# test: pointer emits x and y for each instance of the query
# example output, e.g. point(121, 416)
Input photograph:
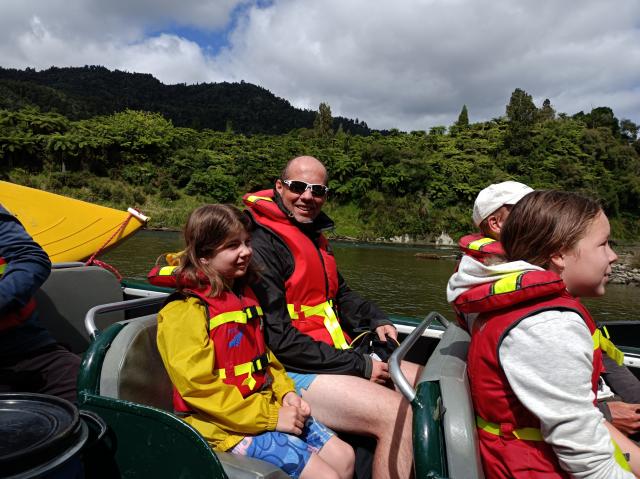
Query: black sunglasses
point(299, 187)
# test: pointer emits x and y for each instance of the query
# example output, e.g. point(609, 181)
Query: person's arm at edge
point(28, 265)
point(297, 351)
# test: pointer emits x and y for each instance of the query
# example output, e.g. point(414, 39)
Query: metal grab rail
point(398, 355)
point(89, 319)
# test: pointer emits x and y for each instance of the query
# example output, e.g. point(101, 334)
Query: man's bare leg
point(353, 404)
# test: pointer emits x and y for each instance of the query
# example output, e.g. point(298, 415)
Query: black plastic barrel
point(41, 436)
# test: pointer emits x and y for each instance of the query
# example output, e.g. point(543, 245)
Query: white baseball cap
point(497, 195)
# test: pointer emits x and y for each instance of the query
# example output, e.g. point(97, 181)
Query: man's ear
point(494, 223)
point(279, 186)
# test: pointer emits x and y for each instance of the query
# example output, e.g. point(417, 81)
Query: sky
point(406, 64)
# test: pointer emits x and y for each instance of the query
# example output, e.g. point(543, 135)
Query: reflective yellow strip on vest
point(479, 243)
point(246, 368)
point(620, 457)
point(330, 321)
point(3, 266)
point(523, 433)
point(605, 344)
point(166, 270)
point(233, 317)
point(254, 198)
point(507, 284)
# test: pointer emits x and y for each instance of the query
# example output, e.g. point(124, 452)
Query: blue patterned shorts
point(290, 453)
point(301, 381)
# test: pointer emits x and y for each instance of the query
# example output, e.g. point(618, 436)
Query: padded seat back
point(64, 299)
point(133, 370)
point(448, 366)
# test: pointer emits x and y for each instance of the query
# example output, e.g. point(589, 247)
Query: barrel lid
point(33, 425)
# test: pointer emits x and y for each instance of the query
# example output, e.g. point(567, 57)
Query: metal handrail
point(398, 355)
point(89, 319)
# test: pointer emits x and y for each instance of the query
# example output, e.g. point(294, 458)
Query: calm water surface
point(392, 276)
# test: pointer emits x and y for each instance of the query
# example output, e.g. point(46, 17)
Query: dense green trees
point(382, 185)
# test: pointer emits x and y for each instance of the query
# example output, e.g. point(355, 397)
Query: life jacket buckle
point(259, 363)
point(506, 430)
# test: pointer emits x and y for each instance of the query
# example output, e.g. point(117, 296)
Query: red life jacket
point(480, 247)
point(312, 287)
point(236, 330)
point(511, 444)
point(16, 316)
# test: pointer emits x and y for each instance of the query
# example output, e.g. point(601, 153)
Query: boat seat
point(448, 367)
point(133, 370)
point(69, 292)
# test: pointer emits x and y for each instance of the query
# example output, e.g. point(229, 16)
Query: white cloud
point(410, 64)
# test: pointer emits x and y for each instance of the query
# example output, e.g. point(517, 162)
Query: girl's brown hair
point(209, 228)
point(545, 223)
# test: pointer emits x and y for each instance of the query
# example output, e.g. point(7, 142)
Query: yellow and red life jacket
point(312, 287)
point(235, 327)
point(480, 247)
point(16, 316)
point(511, 444)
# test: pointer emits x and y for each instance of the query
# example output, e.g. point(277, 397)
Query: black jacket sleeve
point(621, 381)
point(297, 351)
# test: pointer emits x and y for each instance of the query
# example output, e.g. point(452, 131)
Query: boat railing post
point(398, 355)
point(90, 317)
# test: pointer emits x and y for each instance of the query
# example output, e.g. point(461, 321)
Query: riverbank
point(625, 273)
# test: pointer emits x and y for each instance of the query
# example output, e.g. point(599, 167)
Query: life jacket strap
point(534, 434)
point(235, 317)
point(257, 364)
point(602, 341)
point(523, 433)
point(330, 320)
point(620, 457)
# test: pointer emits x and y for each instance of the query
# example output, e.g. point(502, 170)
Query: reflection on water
point(392, 276)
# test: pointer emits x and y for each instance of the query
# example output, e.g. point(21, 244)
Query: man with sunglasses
point(310, 311)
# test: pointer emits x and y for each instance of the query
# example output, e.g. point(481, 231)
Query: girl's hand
point(292, 399)
point(290, 420)
point(305, 408)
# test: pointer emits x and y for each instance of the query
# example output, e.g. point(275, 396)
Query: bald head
point(304, 206)
point(301, 165)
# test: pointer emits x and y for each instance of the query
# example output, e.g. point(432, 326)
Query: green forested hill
point(80, 93)
point(417, 183)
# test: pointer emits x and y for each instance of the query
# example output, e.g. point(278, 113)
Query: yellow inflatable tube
point(67, 229)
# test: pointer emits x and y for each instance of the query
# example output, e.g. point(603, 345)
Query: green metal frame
point(142, 441)
point(428, 441)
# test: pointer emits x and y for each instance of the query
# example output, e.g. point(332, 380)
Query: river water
point(392, 276)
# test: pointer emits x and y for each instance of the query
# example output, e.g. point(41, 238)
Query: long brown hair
point(545, 223)
point(208, 228)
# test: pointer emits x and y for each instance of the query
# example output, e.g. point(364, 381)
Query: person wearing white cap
point(493, 204)
point(490, 210)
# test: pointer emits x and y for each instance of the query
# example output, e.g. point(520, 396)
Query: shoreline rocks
point(624, 273)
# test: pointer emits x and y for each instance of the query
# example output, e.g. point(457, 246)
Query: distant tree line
point(382, 185)
point(81, 93)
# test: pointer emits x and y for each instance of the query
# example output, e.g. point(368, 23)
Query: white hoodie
point(547, 359)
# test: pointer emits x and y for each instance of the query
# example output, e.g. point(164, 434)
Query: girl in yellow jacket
point(228, 385)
